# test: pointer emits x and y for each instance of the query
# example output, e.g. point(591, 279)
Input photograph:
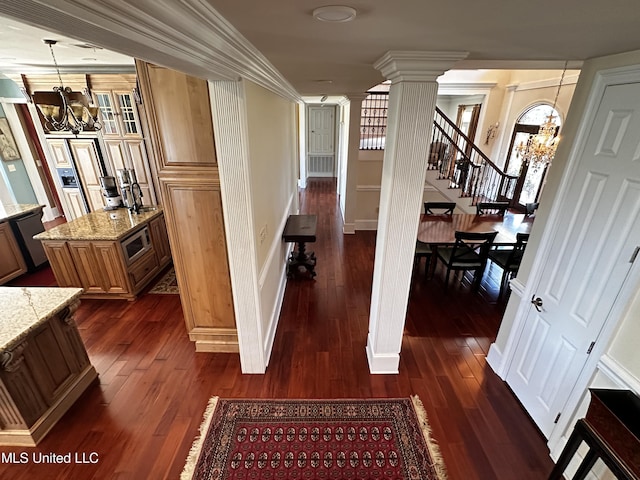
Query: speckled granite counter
point(8, 212)
point(25, 308)
point(105, 225)
point(44, 366)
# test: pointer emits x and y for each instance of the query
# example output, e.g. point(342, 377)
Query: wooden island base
point(44, 367)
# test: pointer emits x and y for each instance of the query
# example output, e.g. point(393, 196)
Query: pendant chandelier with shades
point(540, 148)
point(65, 110)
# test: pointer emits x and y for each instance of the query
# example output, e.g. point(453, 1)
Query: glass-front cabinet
point(123, 136)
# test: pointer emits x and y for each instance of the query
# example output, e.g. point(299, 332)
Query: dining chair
point(509, 259)
point(444, 208)
point(469, 252)
point(492, 208)
point(530, 208)
point(423, 250)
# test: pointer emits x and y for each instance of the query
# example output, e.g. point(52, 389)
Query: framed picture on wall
point(8, 148)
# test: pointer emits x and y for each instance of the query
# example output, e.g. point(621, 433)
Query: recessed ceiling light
point(334, 13)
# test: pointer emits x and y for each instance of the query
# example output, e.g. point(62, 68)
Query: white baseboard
point(494, 359)
point(349, 228)
point(366, 225)
point(270, 334)
point(382, 364)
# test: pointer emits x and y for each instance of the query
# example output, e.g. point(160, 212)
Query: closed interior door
point(587, 262)
point(321, 144)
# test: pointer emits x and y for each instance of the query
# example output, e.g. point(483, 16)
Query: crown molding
point(188, 35)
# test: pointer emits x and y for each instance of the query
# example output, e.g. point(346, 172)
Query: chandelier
point(67, 111)
point(540, 149)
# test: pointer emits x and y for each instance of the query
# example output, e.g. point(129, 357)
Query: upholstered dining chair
point(492, 208)
point(469, 252)
point(423, 250)
point(508, 259)
point(434, 208)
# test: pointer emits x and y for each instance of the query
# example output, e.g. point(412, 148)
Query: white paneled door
point(321, 141)
point(590, 255)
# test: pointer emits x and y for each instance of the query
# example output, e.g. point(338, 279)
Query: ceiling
point(334, 58)
point(22, 50)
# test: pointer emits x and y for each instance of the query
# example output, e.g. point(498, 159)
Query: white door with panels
point(596, 240)
point(321, 141)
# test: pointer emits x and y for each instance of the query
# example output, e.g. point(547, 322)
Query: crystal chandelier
point(71, 112)
point(540, 149)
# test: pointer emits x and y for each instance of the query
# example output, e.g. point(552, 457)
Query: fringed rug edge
point(432, 445)
point(194, 452)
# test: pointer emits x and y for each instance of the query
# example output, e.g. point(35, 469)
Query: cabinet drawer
point(143, 268)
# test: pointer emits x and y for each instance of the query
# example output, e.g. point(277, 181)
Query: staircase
point(461, 171)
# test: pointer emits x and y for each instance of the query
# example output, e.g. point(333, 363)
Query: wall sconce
point(491, 132)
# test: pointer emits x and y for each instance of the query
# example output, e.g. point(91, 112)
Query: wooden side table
point(301, 229)
point(611, 429)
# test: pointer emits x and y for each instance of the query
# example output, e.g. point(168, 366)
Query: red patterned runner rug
point(314, 439)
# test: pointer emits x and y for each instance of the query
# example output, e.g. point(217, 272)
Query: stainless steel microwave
point(136, 245)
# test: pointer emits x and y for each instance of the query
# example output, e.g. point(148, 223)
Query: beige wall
point(272, 137)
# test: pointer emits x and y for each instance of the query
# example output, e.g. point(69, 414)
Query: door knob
point(537, 302)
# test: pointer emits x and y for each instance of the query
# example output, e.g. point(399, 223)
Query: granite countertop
point(103, 225)
point(25, 308)
point(7, 212)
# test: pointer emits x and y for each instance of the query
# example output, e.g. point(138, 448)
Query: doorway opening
point(530, 177)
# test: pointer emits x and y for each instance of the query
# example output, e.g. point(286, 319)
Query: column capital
point(415, 66)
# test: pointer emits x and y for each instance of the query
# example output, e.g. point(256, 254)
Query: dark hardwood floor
point(145, 413)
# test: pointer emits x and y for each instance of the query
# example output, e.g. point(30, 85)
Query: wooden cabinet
point(88, 162)
point(100, 268)
point(179, 119)
point(75, 203)
point(160, 240)
point(61, 156)
point(12, 263)
point(61, 262)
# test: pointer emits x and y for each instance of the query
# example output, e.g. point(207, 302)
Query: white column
point(228, 109)
point(412, 101)
point(353, 154)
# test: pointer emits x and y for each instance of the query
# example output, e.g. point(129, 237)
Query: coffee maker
point(131, 191)
point(110, 192)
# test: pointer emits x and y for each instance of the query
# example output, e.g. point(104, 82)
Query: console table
point(611, 429)
point(301, 229)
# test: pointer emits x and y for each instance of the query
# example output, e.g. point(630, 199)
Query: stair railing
point(460, 161)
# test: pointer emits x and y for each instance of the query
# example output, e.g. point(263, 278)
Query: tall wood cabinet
point(179, 119)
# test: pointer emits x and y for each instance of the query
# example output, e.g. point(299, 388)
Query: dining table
point(440, 229)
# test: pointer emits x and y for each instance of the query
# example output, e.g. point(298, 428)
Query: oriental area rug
point(314, 439)
point(167, 284)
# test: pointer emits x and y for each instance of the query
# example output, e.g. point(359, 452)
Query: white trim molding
point(618, 374)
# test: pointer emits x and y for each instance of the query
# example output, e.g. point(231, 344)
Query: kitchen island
point(18, 251)
point(44, 367)
point(109, 254)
